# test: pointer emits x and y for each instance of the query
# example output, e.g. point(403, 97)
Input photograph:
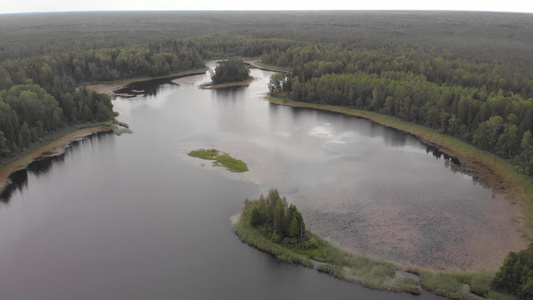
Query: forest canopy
point(483, 104)
point(516, 274)
point(464, 93)
point(230, 70)
point(42, 94)
point(277, 220)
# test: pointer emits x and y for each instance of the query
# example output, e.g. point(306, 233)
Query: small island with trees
point(228, 73)
point(273, 226)
point(220, 159)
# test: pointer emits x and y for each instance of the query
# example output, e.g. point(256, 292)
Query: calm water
point(133, 217)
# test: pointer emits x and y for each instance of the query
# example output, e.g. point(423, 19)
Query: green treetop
point(231, 70)
point(276, 218)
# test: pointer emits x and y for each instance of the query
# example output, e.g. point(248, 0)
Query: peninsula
point(272, 226)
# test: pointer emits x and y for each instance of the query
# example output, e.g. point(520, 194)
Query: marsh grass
point(220, 159)
point(207, 154)
point(461, 285)
point(232, 164)
point(369, 272)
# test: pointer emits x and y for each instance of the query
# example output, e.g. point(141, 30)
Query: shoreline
point(418, 131)
point(474, 165)
point(370, 272)
point(109, 88)
point(485, 167)
point(365, 270)
point(253, 239)
point(53, 148)
point(210, 86)
point(255, 63)
point(490, 174)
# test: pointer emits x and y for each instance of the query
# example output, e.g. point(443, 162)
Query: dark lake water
point(133, 217)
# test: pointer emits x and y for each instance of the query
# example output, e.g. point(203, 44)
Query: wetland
point(115, 215)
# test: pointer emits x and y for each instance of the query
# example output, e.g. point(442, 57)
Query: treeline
point(484, 104)
point(28, 113)
point(276, 219)
point(314, 60)
point(42, 94)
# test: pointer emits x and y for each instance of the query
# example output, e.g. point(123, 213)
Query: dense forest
point(277, 220)
point(516, 274)
point(485, 104)
point(427, 72)
point(230, 70)
point(42, 94)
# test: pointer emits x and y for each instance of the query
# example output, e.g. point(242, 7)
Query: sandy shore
point(56, 147)
point(109, 88)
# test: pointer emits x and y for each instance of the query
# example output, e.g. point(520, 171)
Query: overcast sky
point(22, 6)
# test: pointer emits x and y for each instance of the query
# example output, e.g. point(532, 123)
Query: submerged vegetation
point(264, 224)
point(220, 159)
point(272, 226)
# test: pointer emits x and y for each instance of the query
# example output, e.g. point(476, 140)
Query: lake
point(133, 217)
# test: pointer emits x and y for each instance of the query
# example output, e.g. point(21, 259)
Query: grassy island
point(220, 159)
point(272, 226)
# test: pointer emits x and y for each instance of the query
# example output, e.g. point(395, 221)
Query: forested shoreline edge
point(486, 167)
point(53, 145)
point(317, 253)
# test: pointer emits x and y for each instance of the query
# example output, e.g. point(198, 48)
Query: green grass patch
point(220, 159)
point(208, 154)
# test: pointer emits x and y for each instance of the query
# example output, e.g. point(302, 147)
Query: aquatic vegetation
point(220, 159)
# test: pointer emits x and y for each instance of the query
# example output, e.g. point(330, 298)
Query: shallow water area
point(133, 217)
